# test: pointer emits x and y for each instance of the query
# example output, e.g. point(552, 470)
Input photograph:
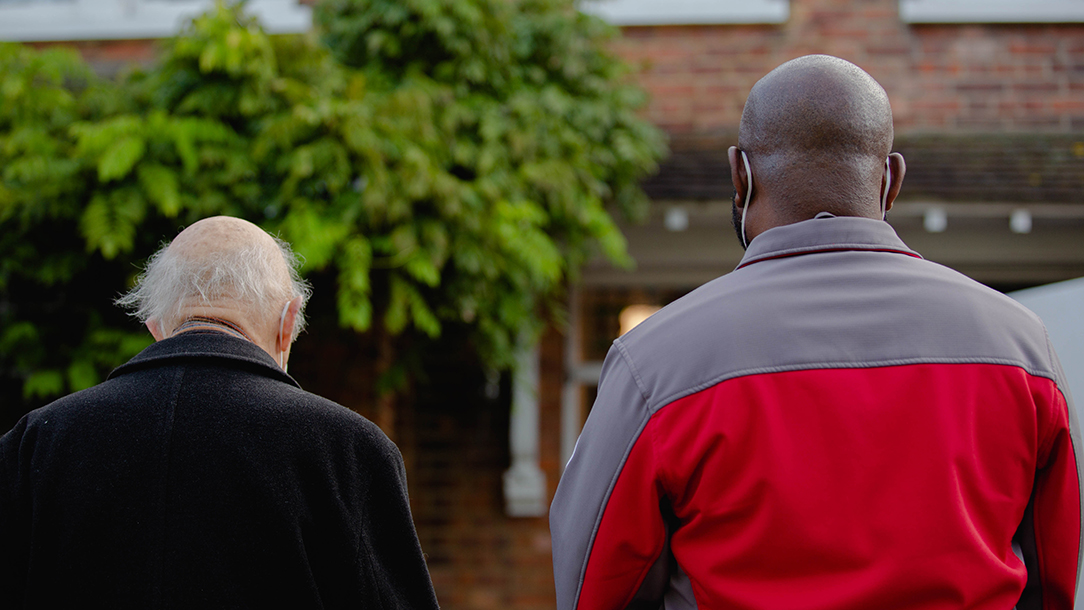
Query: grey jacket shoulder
point(825, 293)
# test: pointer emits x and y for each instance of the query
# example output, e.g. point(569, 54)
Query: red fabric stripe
point(847, 488)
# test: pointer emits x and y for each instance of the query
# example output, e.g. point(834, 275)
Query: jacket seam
point(656, 475)
point(822, 248)
point(635, 374)
point(767, 370)
point(1040, 561)
point(605, 504)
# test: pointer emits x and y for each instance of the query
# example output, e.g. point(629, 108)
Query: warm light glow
point(634, 314)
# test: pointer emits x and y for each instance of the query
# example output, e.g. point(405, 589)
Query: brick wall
point(478, 557)
point(111, 57)
point(954, 77)
point(938, 77)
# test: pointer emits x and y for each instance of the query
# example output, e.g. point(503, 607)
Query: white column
point(524, 482)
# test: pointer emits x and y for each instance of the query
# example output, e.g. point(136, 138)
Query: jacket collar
point(825, 233)
point(230, 351)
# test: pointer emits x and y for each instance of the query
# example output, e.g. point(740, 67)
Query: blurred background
point(487, 192)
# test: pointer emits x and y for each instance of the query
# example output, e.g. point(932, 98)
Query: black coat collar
point(229, 350)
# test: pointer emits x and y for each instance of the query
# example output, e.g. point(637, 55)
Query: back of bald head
point(224, 263)
point(817, 130)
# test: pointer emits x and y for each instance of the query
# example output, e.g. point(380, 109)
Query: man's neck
point(214, 324)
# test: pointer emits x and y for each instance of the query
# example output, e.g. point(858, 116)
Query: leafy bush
point(449, 162)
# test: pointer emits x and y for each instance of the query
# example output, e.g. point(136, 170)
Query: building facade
point(988, 97)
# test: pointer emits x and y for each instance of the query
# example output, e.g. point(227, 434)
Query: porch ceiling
point(977, 179)
point(1023, 168)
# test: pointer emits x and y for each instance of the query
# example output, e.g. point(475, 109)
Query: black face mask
point(735, 218)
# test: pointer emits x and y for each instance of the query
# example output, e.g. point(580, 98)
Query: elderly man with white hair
point(200, 474)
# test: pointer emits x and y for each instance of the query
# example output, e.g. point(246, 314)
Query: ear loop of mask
point(748, 196)
point(282, 328)
point(884, 195)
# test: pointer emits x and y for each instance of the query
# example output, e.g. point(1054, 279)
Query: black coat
point(199, 475)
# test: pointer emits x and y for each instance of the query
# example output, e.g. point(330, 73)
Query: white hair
point(250, 275)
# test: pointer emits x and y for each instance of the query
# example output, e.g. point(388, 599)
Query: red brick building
point(989, 107)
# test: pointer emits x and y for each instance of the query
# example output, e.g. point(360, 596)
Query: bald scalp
point(213, 249)
point(221, 235)
point(224, 263)
point(818, 124)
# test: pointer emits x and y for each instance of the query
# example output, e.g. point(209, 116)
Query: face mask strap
point(884, 195)
point(748, 196)
point(282, 329)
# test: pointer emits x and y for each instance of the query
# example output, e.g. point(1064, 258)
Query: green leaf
point(43, 384)
point(82, 375)
point(17, 336)
point(315, 237)
point(355, 305)
point(110, 221)
point(160, 185)
point(118, 159)
point(406, 305)
point(399, 301)
point(423, 317)
point(422, 269)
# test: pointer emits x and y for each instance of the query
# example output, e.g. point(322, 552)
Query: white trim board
point(55, 20)
point(687, 12)
point(991, 11)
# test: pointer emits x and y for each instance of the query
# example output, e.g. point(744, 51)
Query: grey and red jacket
point(836, 424)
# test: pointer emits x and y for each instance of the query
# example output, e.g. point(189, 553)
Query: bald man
point(200, 475)
point(838, 423)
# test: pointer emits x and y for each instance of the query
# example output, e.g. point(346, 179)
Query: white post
point(524, 482)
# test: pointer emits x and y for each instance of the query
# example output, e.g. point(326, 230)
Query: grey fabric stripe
point(616, 421)
point(835, 309)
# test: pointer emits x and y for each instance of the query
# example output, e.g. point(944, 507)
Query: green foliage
point(448, 162)
point(44, 273)
point(504, 132)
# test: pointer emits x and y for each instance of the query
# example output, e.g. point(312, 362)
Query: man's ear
point(286, 325)
point(737, 175)
point(899, 168)
point(156, 329)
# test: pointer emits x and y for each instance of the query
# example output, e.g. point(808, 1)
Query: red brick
point(981, 87)
point(1067, 105)
point(1042, 87)
point(1032, 47)
point(1044, 122)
